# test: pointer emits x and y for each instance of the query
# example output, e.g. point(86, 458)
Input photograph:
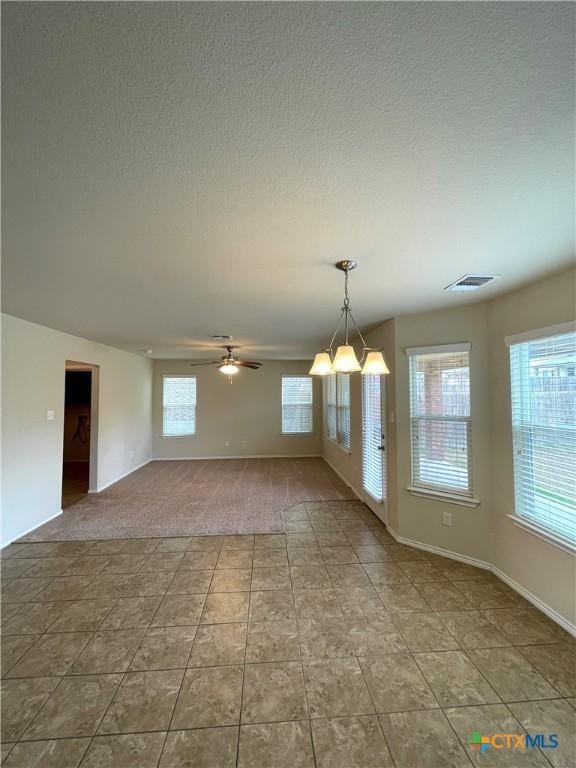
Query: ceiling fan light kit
point(229, 364)
point(344, 360)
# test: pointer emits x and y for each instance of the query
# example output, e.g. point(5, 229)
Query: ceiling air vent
point(221, 337)
point(470, 282)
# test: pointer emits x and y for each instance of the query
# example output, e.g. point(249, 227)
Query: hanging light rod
point(344, 360)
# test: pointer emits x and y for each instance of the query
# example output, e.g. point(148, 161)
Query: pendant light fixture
point(344, 360)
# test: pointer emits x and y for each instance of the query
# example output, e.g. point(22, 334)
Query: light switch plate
point(49, 415)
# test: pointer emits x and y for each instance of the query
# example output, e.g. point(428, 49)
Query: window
point(543, 382)
point(372, 438)
point(338, 409)
point(178, 406)
point(440, 418)
point(297, 405)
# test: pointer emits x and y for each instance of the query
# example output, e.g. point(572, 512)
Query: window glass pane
point(372, 439)
point(331, 406)
point(343, 409)
point(297, 404)
point(543, 380)
point(179, 406)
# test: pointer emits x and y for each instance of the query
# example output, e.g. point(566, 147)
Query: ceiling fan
point(230, 364)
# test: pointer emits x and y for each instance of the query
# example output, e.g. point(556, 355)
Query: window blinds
point(440, 418)
point(178, 406)
point(331, 430)
point(372, 438)
point(297, 404)
point(343, 409)
point(543, 384)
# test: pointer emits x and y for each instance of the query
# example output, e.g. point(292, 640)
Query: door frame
point(74, 365)
point(380, 508)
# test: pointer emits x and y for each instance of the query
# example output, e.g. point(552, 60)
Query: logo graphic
point(512, 741)
point(481, 743)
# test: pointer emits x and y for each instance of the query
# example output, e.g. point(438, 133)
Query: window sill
point(177, 437)
point(542, 533)
point(449, 498)
point(337, 445)
point(297, 434)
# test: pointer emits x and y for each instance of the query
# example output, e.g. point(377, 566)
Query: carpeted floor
point(180, 498)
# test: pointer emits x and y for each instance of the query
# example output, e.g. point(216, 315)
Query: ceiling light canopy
point(344, 360)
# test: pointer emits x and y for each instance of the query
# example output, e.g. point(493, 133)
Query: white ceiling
point(174, 170)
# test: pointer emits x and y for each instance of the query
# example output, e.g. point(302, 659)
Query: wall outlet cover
point(447, 518)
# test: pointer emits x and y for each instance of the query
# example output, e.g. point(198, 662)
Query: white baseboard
point(244, 456)
point(120, 477)
point(344, 479)
point(29, 530)
point(540, 604)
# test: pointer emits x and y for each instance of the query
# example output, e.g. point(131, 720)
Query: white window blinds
point(440, 418)
point(178, 406)
point(543, 382)
point(372, 438)
point(343, 410)
point(331, 429)
point(297, 404)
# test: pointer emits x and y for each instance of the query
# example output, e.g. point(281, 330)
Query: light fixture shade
point(345, 360)
point(229, 369)
point(375, 363)
point(322, 365)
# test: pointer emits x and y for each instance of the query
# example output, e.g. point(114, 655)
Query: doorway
point(374, 458)
point(78, 439)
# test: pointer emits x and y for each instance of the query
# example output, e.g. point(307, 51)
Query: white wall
point(246, 413)
point(483, 533)
point(33, 371)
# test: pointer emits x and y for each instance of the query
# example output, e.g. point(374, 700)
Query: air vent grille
point(470, 282)
point(221, 337)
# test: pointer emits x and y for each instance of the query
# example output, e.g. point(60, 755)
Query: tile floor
point(329, 646)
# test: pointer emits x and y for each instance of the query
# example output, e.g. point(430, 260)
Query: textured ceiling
point(174, 170)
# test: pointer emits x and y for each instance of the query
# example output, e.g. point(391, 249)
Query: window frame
point(448, 494)
point(523, 521)
point(190, 435)
point(312, 425)
point(340, 435)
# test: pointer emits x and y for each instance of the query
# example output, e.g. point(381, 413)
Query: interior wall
point(242, 418)
point(33, 374)
point(546, 571)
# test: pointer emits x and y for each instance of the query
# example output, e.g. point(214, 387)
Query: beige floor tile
point(218, 644)
point(132, 750)
point(140, 546)
point(372, 635)
point(547, 717)
point(396, 683)
point(425, 632)
point(175, 544)
point(270, 541)
point(271, 605)
point(557, 663)
point(336, 687)
point(297, 526)
point(51, 566)
point(445, 597)
point(231, 580)
point(82, 616)
point(372, 554)
point(423, 740)
point(75, 708)
point(238, 541)
point(421, 572)
point(235, 558)
point(12, 648)
point(21, 700)
point(472, 629)
point(273, 692)
point(402, 553)
point(179, 610)
point(164, 648)
point(338, 555)
point(132, 613)
point(348, 576)
point(162, 562)
point(209, 697)
point(332, 539)
point(360, 601)
point(190, 583)
point(108, 651)
point(51, 655)
point(107, 547)
point(107, 585)
point(270, 558)
point(143, 702)
point(385, 574)
point(199, 560)
point(307, 556)
point(64, 588)
point(456, 571)
point(272, 641)
point(488, 720)
point(21, 590)
point(60, 753)
point(350, 742)
point(16, 567)
point(316, 604)
point(88, 564)
point(310, 577)
point(125, 563)
point(271, 578)
point(204, 543)
point(324, 638)
point(148, 584)
point(300, 540)
point(519, 627)
point(454, 679)
point(225, 607)
point(282, 745)
point(486, 594)
point(211, 747)
point(33, 619)
point(513, 678)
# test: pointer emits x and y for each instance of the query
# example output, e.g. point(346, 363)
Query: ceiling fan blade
point(207, 362)
point(243, 364)
point(248, 362)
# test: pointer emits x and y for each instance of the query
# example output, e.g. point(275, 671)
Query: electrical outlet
point(447, 518)
point(226, 443)
point(49, 415)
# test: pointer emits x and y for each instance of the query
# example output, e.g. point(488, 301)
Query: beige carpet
point(181, 498)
